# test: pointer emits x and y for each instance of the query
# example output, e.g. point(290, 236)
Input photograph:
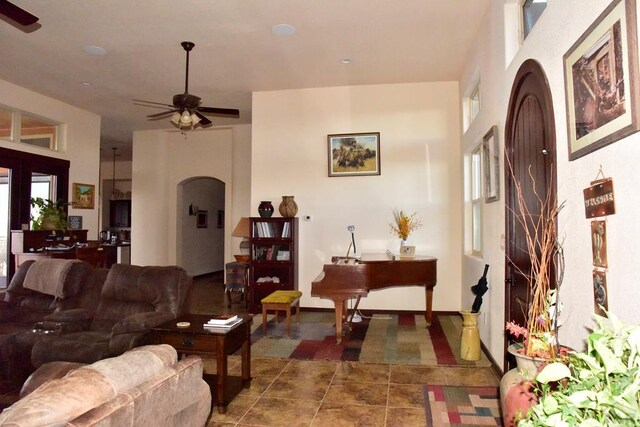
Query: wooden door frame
point(530, 74)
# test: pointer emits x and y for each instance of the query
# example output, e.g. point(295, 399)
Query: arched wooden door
point(530, 159)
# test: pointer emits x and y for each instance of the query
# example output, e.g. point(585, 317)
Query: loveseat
point(146, 386)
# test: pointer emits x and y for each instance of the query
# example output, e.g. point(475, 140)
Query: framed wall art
point(601, 81)
point(491, 165)
point(201, 219)
point(600, 293)
point(83, 196)
point(599, 243)
point(354, 154)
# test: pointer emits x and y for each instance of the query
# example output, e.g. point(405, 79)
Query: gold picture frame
point(354, 154)
point(407, 251)
point(83, 196)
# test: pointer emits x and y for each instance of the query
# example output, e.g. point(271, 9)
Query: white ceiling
point(235, 53)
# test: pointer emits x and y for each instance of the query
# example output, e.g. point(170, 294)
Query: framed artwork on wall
point(491, 162)
point(83, 196)
point(601, 81)
point(201, 219)
point(75, 222)
point(354, 154)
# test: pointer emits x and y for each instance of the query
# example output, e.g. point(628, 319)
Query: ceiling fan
point(186, 111)
point(17, 14)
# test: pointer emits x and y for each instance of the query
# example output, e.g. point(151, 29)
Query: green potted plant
point(598, 387)
point(51, 215)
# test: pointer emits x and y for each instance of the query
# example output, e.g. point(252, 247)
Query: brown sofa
point(133, 300)
point(38, 289)
point(146, 386)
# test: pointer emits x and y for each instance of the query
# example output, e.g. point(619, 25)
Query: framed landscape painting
point(83, 196)
point(601, 81)
point(354, 154)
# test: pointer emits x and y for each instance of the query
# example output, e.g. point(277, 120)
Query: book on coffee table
point(222, 319)
point(227, 325)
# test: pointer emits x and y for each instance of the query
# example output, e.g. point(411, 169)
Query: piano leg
point(340, 313)
point(428, 291)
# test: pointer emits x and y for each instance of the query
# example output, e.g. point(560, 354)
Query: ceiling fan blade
point(161, 114)
point(142, 102)
point(203, 120)
point(229, 112)
point(17, 14)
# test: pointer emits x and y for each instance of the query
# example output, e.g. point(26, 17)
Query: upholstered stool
point(281, 301)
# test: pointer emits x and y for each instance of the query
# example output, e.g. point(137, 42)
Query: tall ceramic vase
point(470, 339)
point(288, 207)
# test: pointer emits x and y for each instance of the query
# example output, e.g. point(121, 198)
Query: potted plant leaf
point(51, 215)
point(598, 387)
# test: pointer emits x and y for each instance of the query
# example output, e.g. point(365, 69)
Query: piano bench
point(281, 301)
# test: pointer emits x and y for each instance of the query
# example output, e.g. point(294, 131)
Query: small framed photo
point(601, 81)
point(83, 196)
point(491, 161)
point(75, 222)
point(201, 219)
point(354, 154)
point(407, 251)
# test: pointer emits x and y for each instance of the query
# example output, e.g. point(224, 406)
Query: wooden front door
point(530, 159)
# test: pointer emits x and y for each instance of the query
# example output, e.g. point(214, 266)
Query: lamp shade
point(242, 229)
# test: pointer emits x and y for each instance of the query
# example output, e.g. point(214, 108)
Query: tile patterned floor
point(288, 392)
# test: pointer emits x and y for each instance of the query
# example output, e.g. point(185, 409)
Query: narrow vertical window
point(531, 11)
point(476, 201)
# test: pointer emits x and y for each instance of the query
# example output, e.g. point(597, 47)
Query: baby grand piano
point(350, 278)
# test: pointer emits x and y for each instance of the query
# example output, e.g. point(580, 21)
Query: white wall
point(81, 140)
point(419, 132)
point(161, 160)
point(547, 43)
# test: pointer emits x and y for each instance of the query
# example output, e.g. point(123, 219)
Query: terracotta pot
point(288, 207)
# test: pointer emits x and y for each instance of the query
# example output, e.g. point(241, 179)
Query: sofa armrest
point(140, 322)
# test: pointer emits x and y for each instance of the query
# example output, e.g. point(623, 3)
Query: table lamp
point(242, 230)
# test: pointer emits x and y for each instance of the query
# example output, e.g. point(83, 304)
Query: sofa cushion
point(60, 278)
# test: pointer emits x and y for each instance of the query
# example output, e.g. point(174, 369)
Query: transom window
point(28, 129)
point(531, 11)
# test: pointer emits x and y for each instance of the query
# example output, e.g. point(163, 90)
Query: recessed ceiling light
point(86, 83)
point(283, 30)
point(94, 50)
point(346, 60)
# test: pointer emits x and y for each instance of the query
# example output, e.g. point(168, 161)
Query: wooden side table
point(212, 342)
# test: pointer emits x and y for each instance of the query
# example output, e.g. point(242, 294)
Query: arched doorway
point(530, 160)
point(200, 225)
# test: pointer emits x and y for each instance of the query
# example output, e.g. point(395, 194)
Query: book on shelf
point(286, 230)
point(223, 325)
point(283, 256)
point(223, 319)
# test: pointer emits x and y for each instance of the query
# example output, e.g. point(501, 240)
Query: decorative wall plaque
point(599, 243)
point(599, 199)
point(600, 295)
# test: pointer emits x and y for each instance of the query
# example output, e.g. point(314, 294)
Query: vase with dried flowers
point(403, 225)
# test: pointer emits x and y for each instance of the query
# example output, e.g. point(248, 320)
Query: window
point(471, 106)
point(28, 129)
point(531, 11)
point(476, 201)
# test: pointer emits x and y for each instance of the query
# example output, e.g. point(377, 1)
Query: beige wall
point(419, 132)
point(547, 43)
point(161, 160)
point(80, 140)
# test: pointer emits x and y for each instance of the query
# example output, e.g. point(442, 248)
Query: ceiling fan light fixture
point(185, 119)
point(195, 119)
point(175, 118)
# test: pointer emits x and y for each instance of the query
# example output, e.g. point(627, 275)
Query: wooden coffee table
point(218, 343)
